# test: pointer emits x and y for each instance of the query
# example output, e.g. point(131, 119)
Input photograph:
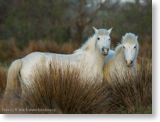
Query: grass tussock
point(48, 46)
point(63, 91)
point(134, 93)
point(3, 79)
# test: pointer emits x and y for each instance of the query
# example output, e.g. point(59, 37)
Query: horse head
point(103, 40)
point(130, 48)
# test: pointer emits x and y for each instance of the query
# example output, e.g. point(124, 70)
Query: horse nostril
point(107, 49)
point(129, 63)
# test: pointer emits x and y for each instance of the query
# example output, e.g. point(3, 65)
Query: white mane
point(89, 44)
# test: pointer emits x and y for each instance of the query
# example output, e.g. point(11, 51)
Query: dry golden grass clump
point(3, 79)
point(62, 91)
point(50, 46)
point(134, 93)
point(8, 51)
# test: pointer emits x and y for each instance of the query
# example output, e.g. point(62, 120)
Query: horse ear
point(109, 31)
point(137, 37)
point(95, 30)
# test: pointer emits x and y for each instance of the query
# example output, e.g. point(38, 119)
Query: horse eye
point(123, 47)
point(98, 38)
point(134, 46)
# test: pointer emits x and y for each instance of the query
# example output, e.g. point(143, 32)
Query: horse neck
point(99, 57)
point(119, 55)
point(94, 52)
point(89, 46)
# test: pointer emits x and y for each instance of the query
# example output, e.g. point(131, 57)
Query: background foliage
point(64, 20)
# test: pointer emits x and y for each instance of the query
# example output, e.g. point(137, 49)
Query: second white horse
point(123, 60)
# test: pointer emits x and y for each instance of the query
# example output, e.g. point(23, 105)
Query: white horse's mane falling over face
point(100, 40)
point(130, 48)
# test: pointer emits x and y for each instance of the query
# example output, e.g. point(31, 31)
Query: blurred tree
point(28, 19)
point(85, 13)
point(133, 17)
point(64, 20)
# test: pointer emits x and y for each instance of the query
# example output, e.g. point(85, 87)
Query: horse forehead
point(129, 42)
point(103, 32)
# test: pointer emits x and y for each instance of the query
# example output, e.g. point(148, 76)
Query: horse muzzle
point(105, 51)
point(129, 63)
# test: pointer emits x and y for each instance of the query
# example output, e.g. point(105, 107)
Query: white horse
point(123, 60)
point(91, 55)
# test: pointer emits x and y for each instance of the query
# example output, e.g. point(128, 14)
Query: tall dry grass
point(48, 46)
point(63, 92)
point(134, 93)
point(3, 79)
